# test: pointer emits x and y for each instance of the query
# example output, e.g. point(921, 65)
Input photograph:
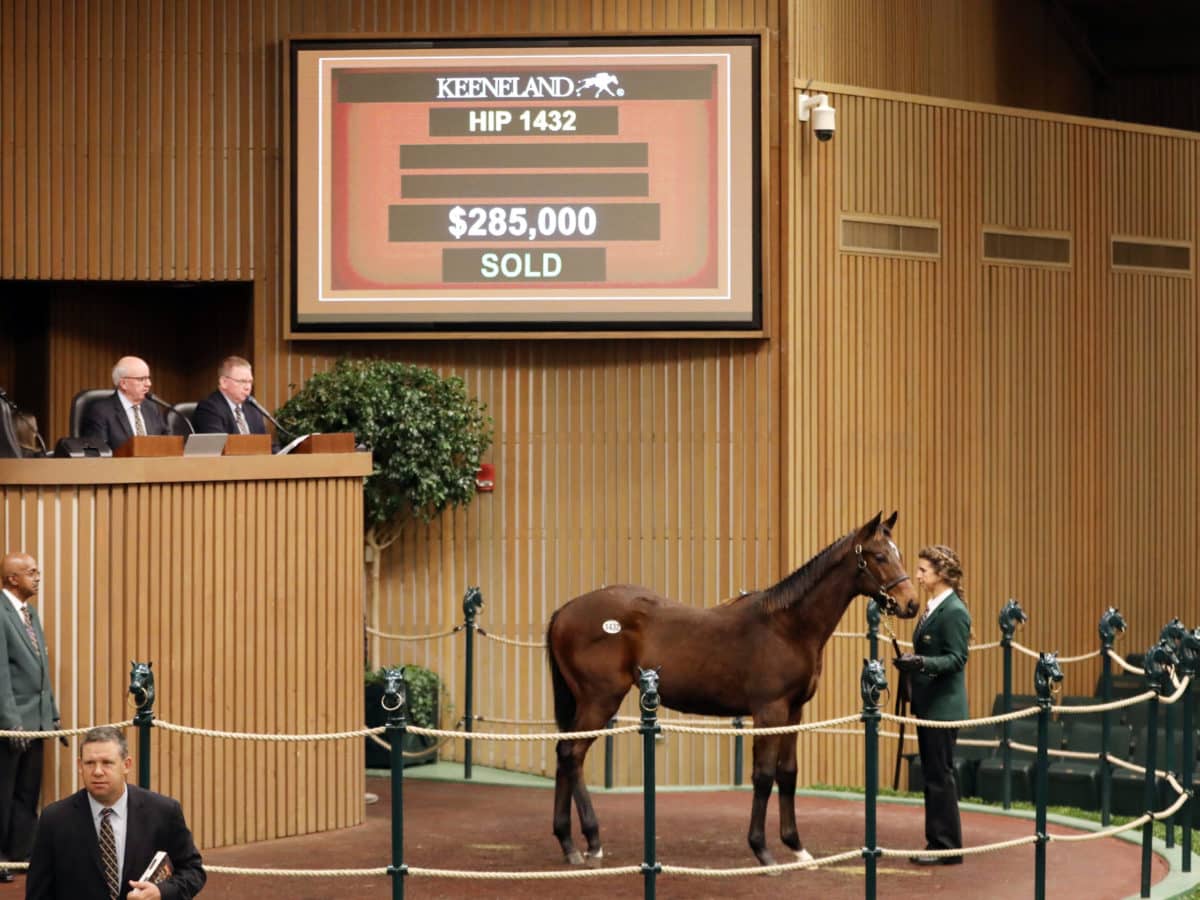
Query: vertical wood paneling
point(172, 573)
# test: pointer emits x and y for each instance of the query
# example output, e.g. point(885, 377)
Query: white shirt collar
point(17, 604)
point(935, 601)
point(119, 808)
point(126, 403)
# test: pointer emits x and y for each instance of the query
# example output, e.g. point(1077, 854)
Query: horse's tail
point(564, 700)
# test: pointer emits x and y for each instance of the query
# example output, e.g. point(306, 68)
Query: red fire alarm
point(485, 478)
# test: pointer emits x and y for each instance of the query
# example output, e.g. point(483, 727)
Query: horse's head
point(1047, 674)
point(141, 684)
point(881, 568)
point(1011, 615)
point(873, 681)
point(1110, 623)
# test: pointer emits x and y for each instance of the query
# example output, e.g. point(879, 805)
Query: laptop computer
point(204, 444)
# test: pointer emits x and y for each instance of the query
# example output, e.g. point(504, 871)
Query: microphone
point(165, 405)
point(270, 418)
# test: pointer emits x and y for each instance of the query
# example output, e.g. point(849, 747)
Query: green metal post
point(873, 681)
point(739, 752)
point(1150, 792)
point(874, 617)
point(1046, 673)
point(395, 701)
point(1110, 623)
point(648, 688)
point(141, 686)
point(1011, 615)
point(1189, 665)
point(608, 754)
point(472, 603)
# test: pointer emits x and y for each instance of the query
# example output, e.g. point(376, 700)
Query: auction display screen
point(583, 185)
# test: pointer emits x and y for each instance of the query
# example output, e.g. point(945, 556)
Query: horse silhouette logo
point(601, 83)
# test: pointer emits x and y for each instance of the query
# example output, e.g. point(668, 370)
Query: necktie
point(29, 626)
point(139, 426)
point(108, 855)
point(921, 621)
point(238, 417)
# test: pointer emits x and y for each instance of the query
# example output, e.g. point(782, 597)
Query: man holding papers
point(98, 843)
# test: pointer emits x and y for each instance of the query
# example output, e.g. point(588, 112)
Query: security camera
point(824, 116)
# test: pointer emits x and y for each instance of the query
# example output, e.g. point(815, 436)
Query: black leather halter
point(880, 593)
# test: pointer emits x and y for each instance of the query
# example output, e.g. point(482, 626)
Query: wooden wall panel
point(181, 575)
point(1037, 419)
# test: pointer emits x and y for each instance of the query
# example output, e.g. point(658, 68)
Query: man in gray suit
point(26, 704)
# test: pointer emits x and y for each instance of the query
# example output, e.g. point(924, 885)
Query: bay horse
point(755, 655)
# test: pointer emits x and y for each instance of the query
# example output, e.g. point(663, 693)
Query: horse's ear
point(891, 520)
point(868, 531)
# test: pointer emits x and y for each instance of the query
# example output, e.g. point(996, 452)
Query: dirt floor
point(493, 828)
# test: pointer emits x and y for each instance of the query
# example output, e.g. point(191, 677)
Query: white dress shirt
point(934, 602)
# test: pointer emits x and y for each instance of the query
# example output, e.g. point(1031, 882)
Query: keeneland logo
point(483, 87)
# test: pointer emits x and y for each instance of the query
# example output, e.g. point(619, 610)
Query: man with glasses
point(126, 413)
point(226, 410)
point(26, 704)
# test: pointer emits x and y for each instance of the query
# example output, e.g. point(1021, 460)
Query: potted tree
point(427, 436)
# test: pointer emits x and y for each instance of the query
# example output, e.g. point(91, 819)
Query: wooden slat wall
point(1041, 421)
point(243, 607)
point(142, 141)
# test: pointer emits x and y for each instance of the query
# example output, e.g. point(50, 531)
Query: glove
point(909, 662)
point(19, 745)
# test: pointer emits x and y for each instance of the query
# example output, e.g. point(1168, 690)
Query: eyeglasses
point(238, 380)
point(145, 379)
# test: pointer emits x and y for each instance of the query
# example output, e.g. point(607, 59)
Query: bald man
point(26, 704)
point(127, 413)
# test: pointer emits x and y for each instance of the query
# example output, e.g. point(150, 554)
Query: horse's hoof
point(765, 858)
point(575, 858)
point(598, 853)
point(803, 856)
point(595, 859)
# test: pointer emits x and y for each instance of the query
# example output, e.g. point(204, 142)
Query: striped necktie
point(108, 854)
point(28, 620)
point(139, 424)
point(240, 418)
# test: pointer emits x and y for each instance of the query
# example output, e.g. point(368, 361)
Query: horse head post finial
point(1173, 632)
point(1160, 660)
point(648, 687)
point(1111, 623)
point(1046, 675)
point(1189, 653)
point(395, 697)
point(472, 603)
point(1011, 615)
point(141, 688)
point(874, 615)
point(872, 683)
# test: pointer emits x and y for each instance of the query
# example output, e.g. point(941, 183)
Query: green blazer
point(939, 690)
point(26, 701)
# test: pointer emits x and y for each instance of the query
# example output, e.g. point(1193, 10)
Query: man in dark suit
point(96, 844)
point(939, 693)
point(26, 704)
point(118, 418)
point(225, 410)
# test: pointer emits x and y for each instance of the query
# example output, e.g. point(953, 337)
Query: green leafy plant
point(423, 690)
point(426, 433)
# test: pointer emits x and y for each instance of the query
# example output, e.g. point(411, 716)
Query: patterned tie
point(139, 426)
point(242, 427)
point(29, 626)
point(108, 855)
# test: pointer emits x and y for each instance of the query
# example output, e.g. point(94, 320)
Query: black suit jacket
point(213, 416)
point(105, 420)
point(65, 862)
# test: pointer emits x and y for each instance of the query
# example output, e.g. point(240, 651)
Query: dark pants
point(20, 786)
point(943, 828)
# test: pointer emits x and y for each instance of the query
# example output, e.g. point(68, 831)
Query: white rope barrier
point(286, 738)
point(512, 642)
point(1116, 657)
point(413, 637)
point(61, 732)
point(753, 871)
point(297, 873)
point(556, 875)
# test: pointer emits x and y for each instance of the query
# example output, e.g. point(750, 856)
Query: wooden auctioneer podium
point(240, 579)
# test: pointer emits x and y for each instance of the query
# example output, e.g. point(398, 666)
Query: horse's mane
point(788, 591)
